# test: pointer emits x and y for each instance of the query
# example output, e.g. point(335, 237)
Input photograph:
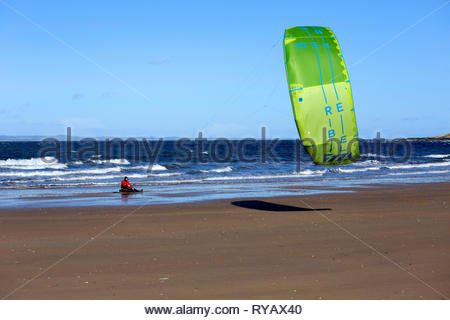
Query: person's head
point(125, 178)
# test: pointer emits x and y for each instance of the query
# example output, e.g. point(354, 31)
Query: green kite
point(321, 95)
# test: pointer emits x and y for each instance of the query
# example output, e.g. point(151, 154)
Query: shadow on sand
point(269, 206)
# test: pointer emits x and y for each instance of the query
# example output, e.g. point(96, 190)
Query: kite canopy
point(321, 95)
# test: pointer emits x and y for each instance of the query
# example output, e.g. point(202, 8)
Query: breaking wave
point(32, 164)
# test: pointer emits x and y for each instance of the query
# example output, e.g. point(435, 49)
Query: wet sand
point(381, 243)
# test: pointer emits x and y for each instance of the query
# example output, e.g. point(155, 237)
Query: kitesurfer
point(126, 186)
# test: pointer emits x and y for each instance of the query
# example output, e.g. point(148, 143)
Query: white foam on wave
point(111, 161)
point(32, 164)
point(358, 170)
point(374, 155)
point(220, 170)
point(308, 172)
point(420, 165)
point(154, 167)
point(437, 156)
point(396, 167)
point(157, 167)
point(367, 163)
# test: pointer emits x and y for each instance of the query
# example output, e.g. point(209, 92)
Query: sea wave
point(167, 174)
point(88, 178)
point(219, 170)
point(85, 178)
point(154, 167)
point(111, 161)
point(374, 155)
point(367, 163)
point(147, 175)
point(393, 167)
point(58, 172)
point(304, 173)
point(355, 170)
point(32, 164)
point(420, 165)
point(437, 156)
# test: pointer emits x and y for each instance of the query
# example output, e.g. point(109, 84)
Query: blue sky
point(165, 68)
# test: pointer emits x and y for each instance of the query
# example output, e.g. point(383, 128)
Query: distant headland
point(437, 138)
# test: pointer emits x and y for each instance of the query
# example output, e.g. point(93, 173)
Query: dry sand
point(385, 243)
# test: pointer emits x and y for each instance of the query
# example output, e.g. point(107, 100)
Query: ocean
point(45, 173)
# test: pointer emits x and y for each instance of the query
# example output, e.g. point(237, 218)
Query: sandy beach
point(377, 243)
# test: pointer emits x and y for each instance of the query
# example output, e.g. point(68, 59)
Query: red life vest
point(126, 184)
